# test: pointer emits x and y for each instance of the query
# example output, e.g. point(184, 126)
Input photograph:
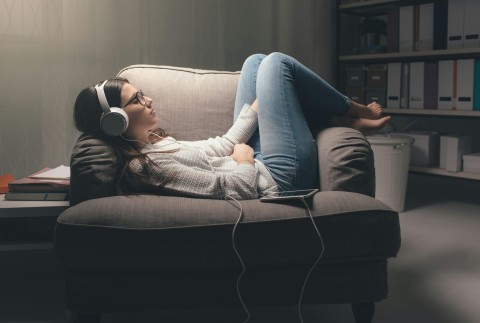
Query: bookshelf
point(349, 15)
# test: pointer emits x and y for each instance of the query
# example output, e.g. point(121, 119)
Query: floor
point(435, 278)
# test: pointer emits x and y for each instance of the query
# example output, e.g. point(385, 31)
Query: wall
point(51, 49)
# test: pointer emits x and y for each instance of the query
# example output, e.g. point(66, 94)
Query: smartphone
point(288, 195)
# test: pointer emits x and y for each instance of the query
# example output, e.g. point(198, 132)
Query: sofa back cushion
point(191, 104)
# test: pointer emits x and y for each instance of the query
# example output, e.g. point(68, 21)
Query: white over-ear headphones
point(114, 121)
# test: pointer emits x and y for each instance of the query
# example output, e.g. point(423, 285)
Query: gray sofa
point(146, 252)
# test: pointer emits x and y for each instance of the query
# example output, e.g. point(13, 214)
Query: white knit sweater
point(204, 168)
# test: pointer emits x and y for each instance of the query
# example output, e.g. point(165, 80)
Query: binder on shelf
point(455, 23)
point(430, 85)
point(394, 81)
point(425, 41)
point(471, 25)
point(465, 77)
point(376, 84)
point(445, 84)
point(406, 29)
point(392, 30)
point(476, 87)
point(376, 75)
point(355, 75)
point(417, 73)
point(356, 94)
point(405, 88)
point(375, 94)
point(440, 28)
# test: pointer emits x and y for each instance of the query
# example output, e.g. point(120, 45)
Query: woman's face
point(142, 117)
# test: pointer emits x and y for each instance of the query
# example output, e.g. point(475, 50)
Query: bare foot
point(371, 111)
point(366, 126)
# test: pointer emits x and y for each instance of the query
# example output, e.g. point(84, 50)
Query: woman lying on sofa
point(270, 146)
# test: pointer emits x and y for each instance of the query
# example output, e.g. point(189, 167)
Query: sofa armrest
point(345, 161)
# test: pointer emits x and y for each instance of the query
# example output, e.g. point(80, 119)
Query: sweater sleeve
point(240, 132)
point(173, 178)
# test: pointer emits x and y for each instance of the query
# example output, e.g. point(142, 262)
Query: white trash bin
point(392, 159)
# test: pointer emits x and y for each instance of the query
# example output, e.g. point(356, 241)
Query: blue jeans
point(288, 95)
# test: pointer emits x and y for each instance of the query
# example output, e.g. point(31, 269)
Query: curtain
point(51, 49)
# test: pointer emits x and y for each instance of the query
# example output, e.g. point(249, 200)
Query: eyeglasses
point(139, 97)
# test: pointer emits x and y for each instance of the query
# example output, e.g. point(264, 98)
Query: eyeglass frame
point(136, 96)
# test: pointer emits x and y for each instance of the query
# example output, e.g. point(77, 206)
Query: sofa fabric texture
point(93, 168)
point(197, 234)
point(191, 104)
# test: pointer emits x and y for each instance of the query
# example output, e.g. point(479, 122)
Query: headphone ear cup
point(115, 122)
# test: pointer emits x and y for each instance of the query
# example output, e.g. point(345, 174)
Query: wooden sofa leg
point(76, 317)
point(363, 312)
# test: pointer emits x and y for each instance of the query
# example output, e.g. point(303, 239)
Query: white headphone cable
point(144, 143)
point(315, 263)
point(239, 258)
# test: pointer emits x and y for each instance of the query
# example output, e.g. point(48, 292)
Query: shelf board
point(372, 7)
point(414, 55)
point(438, 113)
point(442, 172)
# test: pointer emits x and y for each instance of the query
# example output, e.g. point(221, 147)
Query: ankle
point(355, 109)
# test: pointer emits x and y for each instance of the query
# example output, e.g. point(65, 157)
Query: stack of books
point(45, 185)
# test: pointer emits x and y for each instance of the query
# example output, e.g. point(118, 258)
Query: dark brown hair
point(87, 113)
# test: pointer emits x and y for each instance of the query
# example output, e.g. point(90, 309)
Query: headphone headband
point(102, 97)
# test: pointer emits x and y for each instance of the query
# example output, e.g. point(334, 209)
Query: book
point(26, 196)
point(34, 184)
point(60, 172)
point(4, 181)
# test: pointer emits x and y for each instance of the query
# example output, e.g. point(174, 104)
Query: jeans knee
point(253, 60)
point(275, 60)
point(277, 57)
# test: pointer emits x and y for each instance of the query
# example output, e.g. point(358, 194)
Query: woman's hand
point(242, 153)
point(255, 105)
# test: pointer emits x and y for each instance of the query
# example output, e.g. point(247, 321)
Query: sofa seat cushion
point(147, 232)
